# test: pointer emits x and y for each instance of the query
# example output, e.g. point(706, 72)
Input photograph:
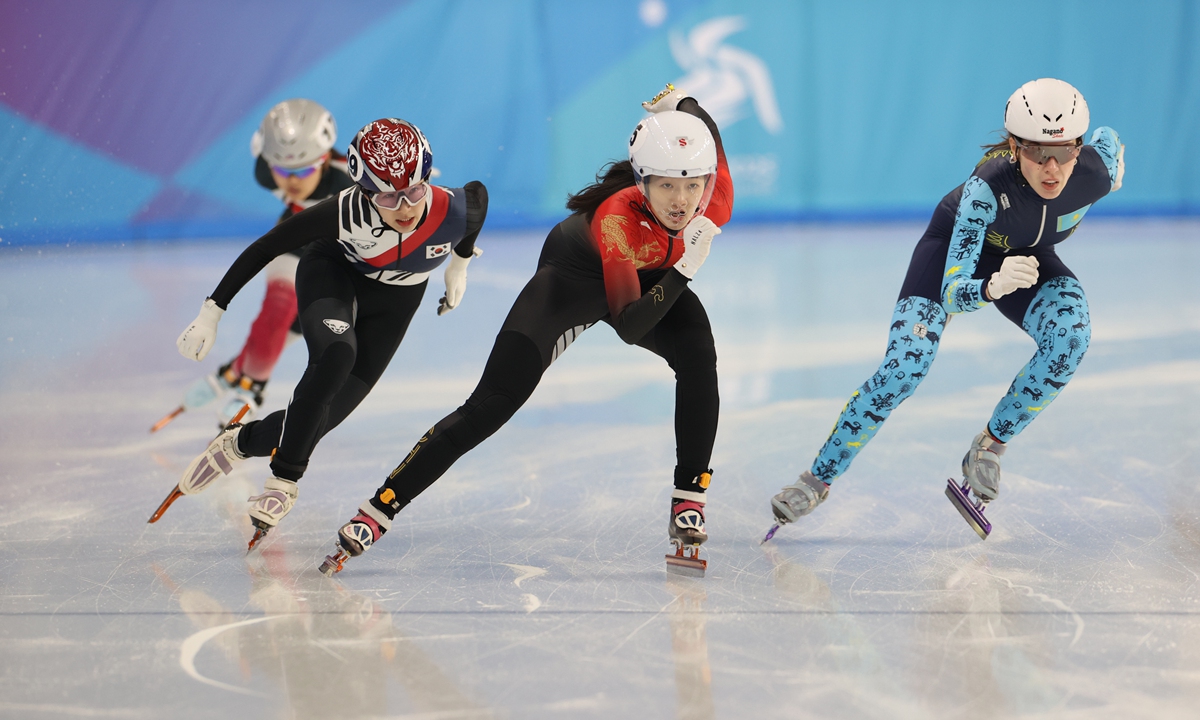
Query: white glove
point(1120, 169)
point(198, 338)
point(668, 99)
point(1018, 271)
point(697, 239)
point(456, 280)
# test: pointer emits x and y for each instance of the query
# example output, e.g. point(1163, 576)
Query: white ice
point(529, 582)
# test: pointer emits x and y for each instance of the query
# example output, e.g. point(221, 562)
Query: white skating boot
point(685, 528)
point(981, 466)
point(356, 537)
point(799, 499)
point(275, 502)
point(687, 518)
point(217, 459)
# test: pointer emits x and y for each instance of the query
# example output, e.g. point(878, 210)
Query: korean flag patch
point(436, 251)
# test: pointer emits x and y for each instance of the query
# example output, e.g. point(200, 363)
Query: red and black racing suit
point(615, 267)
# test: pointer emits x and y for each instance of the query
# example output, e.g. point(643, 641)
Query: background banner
point(123, 119)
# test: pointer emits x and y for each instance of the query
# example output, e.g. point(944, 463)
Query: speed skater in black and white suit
point(358, 284)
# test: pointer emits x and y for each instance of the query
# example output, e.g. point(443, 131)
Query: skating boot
point(217, 459)
point(201, 393)
point(686, 531)
point(276, 501)
point(797, 500)
point(980, 484)
point(244, 392)
point(356, 537)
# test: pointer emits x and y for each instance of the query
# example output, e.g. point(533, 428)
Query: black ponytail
point(613, 178)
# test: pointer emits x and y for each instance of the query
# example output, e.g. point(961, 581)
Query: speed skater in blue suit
point(991, 241)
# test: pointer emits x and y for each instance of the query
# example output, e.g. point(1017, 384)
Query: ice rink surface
point(529, 581)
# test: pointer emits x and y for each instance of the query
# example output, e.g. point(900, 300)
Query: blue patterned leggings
point(1055, 316)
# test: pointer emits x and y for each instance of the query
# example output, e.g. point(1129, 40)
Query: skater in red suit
point(626, 257)
point(295, 160)
point(370, 251)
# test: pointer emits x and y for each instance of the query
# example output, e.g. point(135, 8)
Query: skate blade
point(259, 534)
point(967, 509)
point(236, 418)
point(167, 419)
point(334, 563)
point(175, 495)
point(688, 564)
point(771, 533)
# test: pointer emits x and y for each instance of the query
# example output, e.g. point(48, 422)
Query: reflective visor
point(391, 200)
point(1041, 153)
point(300, 172)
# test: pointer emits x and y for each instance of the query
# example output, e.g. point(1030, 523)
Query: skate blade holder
point(260, 531)
point(689, 564)
point(334, 563)
point(971, 511)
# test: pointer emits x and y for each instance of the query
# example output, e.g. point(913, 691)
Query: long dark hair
point(612, 178)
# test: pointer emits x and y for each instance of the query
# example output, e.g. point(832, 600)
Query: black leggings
point(551, 311)
point(352, 326)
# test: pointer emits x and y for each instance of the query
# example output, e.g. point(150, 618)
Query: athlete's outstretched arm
point(1108, 145)
point(720, 207)
point(477, 207)
point(319, 221)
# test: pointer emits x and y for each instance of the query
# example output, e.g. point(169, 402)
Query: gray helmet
point(294, 133)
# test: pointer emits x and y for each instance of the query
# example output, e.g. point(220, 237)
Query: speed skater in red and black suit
point(625, 256)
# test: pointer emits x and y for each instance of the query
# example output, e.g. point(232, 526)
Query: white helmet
point(674, 144)
point(294, 133)
point(1046, 110)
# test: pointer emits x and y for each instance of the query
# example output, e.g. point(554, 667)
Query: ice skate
point(275, 502)
point(216, 460)
point(201, 393)
point(686, 531)
point(980, 484)
point(356, 537)
point(981, 466)
point(797, 500)
point(243, 392)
